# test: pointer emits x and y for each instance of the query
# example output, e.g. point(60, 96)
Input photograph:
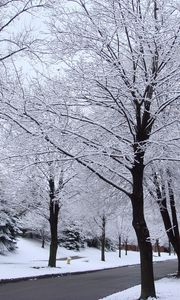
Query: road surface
point(89, 286)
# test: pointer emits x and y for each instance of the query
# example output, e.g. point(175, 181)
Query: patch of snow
point(32, 260)
point(166, 289)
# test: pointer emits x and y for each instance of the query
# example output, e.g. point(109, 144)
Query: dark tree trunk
point(169, 248)
point(142, 232)
point(178, 257)
point(119, 245)
point(43, 242)
point(158, 248)
point(126, 247)
point(143, 128)
point(53, 221)
point(174, 221)
point(103, 239)
point(172, 228)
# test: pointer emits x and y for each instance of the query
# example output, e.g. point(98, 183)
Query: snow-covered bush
point(95, 242)
point(72, 237)
point(9, 226)
point(8, 232)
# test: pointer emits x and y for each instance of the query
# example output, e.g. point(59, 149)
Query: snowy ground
point(166, 289)
point(31, 260)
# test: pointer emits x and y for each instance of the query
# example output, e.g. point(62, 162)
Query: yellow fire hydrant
point(68, 261)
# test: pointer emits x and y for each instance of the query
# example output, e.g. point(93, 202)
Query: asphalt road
point(89, 286)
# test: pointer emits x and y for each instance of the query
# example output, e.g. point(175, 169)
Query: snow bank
point(32, 260)
point(166, 289)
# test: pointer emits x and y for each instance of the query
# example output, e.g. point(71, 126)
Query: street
point(88, 286)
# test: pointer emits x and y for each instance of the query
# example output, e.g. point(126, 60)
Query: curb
point(11, 280)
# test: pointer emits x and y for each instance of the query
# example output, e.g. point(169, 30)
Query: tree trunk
point(171, 226)
point(53, 221)
point(174, 221)
point(158, 248)
point(126, 247)
point(103, 239)
point(43, 242)
point(169, 248)
point(142, 232)
point(145, 248)
point(119, 246)
point(178, 271)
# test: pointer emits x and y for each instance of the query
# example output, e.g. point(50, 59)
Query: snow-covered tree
point(165, 198)
point(17, 40)
point(124, 63)
point(72, 237)
point(9, 223)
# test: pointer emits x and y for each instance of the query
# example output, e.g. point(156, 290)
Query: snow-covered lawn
point(31, 260)
point(166, 289)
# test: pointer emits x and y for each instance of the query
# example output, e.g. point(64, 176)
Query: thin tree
point(166, 201)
